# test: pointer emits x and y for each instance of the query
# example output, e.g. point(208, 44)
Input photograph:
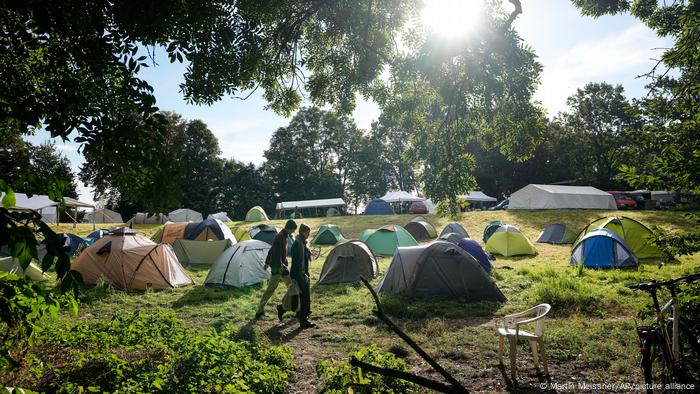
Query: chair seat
point(509, 332)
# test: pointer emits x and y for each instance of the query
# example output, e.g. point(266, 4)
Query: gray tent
point(438, 269)
point(455, 228)
point(192, 252)
point(240, 265)
point(347, 262)
point(220, 216)
point(452, 238)
point(557, 233)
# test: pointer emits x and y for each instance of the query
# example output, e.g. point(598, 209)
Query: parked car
point(623, 200)
point(500, 206)
point(418, 208)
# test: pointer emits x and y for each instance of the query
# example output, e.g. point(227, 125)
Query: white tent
point(429, 204)
point(47, 208)
point(185, 215)
point(535, 196)
point(104, 215)
point(309, 207)
point(477, 196)
point(220, 216)
point(400, 196)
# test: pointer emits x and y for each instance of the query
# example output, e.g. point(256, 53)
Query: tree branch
point(419, 380)
point(517, 11)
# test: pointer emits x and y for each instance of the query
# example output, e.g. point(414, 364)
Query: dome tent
point(473, 248)
point(142, 218)
point(508, 241)
point(131, 261)
point(454, 228)
point(220, 216)
point(557, 233)
point(256, 214)
point(263, 232)
point(347, 262)
point(72, 244)
point(199, 252)
point(196, 231)
point(378, 207)
point(240, 265)
point(438, 269)
point(185, 215)
point(452, 238)
point(421, 230)
point(332, 211)
point(385, 240)
point(491, 228)
point(103, 215)
point(241, 233)
point(419, 218)
point(328, 234)
point(635, 234)
point(602, 248)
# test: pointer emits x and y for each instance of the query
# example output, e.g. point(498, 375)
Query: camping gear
point(103, 215)
point(72, 244)
point(378, 207)
point(95, 235)
point(264, 233)
point(438, 269)
point(491, 228)
point(199, 252)
point(241, 233)
point(508, 241)
point(131, 261)
point(11, 265)
point(142, 218)
point(256, 214)
point(452, 237)
point(509, 327)
point(419, 218)
point(328, 234)
point(454, 228)
point(635, 234)
point(185, 215)
point(220, 216)
point(557, 233)
point(385, 240)
point(213, 229)
point(421, 230)
point(602, 248)
point(473, 248)
point(347, 263)
point(240, 265)
point(535, 196)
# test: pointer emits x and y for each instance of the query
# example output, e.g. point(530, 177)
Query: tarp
point(400, 196)
point(454, 228)
point(602, 248)
point(477, 196)
point(557, 233)
point(378, 207)
point(220, 216)
point(324, 203)
point(508, 241)
point(11, 265)
point(421, 230)
point(185, 215)
point(535, 196)
point(636, 235)
point(103, 215)
point(473, 248)
point(199, 252)
point(438, 269)
point(240, 265)
point(347, 262)
point(328, 234)
point(256, 214)
point(385, 240)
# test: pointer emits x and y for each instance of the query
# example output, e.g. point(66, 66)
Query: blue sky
point(573, 50)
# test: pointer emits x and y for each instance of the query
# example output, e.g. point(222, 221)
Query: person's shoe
point(307, 324)
point(280, 312)
point(259, 315)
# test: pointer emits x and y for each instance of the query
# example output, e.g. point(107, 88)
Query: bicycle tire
point(689, 362)
point(656, 363)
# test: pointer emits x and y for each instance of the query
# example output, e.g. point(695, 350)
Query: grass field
point(590, 337)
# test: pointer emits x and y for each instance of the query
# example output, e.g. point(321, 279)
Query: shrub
point(341, 377)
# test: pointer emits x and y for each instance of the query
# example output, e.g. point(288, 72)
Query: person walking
point(301, 258)
point(277, 261)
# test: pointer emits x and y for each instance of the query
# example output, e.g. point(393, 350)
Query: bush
point(146, 352)
point(341, 377)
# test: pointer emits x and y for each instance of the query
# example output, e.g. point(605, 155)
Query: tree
point(201, 168)
point(242, 187)
point(369, 171)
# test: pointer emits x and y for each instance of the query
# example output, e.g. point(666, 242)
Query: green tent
point(328, 234)
point(635, 234)
point(256, 214)
point(11, 265)
point(385, 240)
point(199, 252)
point(508, 241)
point(491, 228)
point(421, 230)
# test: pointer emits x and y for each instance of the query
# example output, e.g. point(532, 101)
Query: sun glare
point(451, 18)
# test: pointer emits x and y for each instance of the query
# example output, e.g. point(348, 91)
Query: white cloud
point(70, 147)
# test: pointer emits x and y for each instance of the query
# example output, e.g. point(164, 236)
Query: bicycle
point(670, 351)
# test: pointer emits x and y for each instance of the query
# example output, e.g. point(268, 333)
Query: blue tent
point(73, 244)
point(603, 248)
point(491, 228)
point(378, 207)
point(473, 248)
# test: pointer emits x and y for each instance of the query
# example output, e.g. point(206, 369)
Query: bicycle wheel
point(655, 362)
point(689, 360)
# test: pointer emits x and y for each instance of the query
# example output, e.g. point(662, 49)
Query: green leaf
point(8, 200)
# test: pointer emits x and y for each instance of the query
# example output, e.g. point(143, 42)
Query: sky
point(573, 50)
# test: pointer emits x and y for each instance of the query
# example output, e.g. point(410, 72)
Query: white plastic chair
point(509, 327)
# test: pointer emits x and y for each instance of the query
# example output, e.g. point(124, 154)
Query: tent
point(131, 261)
point(378, 207)
point(455, 228)
point(142, 218)
point(196, 231)
point(185, 215)
point(421, 230)
point(11, 265)
point(385, 240)
point(400, 196)
point(46, 207)
point(602, 248)
point(557, 233)
point(240, 265)
point(264, 233)
point(634, 234)
point(438, 269)
point(72, 244)
point(328, 234)
point(256, 214)
point(507, 241)
point(491, 228)
point(95, 235)
point(347, 262)
point(419, 218)
point(473, 248)
point(199, 252)
point(452, 237)
point(332, 212)
point(478, 199)
point(429, 204)
point(220, 216)
point(103, 215)
point(308, 207)
point(241, 233)
point(535, 196)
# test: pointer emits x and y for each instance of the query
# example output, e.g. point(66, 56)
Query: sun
point(451, 18)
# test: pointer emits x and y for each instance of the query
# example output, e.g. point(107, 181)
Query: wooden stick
point(419, 380)
point(456, 386)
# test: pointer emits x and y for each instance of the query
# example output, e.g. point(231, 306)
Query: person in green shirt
point(277, 261)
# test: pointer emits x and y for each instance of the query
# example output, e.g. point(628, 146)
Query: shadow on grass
point(211, 295)
point(438, 307)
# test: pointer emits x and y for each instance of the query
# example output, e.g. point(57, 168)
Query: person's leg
point(305, 300)
point(271, 287)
